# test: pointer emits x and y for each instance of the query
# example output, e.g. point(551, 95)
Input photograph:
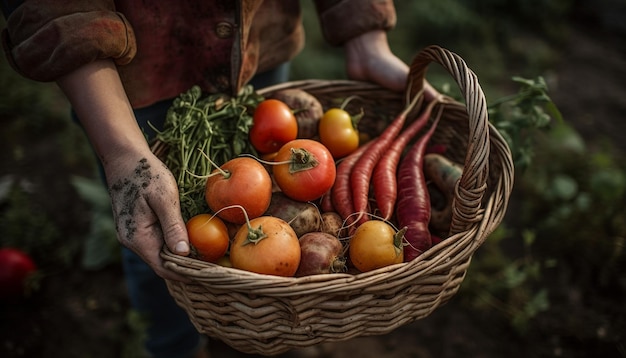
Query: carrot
point(361, 174)
point(326, 202)
point(341, 196)
point(384, 176)
point(413, 206)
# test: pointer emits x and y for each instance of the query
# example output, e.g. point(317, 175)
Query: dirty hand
point(146, 209)
point(144, 194)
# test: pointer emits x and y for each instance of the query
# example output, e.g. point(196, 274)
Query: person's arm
point(143, 191)
point(361, 26)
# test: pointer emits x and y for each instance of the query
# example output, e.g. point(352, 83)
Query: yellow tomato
point(375, 244)
point(338, 132)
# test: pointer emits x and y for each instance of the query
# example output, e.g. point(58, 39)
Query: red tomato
point(375, 244)
point(307, 170)
point(208, 236)
point(242, 181)
point(338, 132)
point(274, 124)
point(15, 268)
point(270, 248)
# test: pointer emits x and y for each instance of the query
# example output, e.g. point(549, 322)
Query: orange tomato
point(246, 183)
point(208, 237)
point(375, 244)
point(308, 170)
point(268, 246)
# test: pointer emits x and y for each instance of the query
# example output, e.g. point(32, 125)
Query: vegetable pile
point(283, 186)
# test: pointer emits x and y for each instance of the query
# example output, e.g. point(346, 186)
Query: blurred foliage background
point(552, 276)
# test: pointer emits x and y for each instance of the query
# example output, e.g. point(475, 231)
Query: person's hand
point(146, 209)
point(144, 194)
point(369, 58)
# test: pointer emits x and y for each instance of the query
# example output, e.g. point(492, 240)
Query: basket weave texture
point(269, 315)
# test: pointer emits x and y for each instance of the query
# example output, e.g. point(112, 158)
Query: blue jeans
point(170, 332)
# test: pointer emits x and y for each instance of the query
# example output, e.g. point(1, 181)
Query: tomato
point(224, 261)
point(305, 170)
point(376, 244)
point(267, 246)
point(208, 237)
point(16, 267)
point(274, 124)
point(338, 132)
point(240, 181)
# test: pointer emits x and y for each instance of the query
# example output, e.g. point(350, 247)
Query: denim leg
point(170, 332)
point(277, 75)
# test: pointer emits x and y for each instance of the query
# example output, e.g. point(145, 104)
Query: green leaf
point(529, 237)
point(101, 246)
point(518, 117)
point(564, 187)
point(538, 303)
point(92, 191)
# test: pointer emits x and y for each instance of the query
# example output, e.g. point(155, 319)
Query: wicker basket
point(269, 315)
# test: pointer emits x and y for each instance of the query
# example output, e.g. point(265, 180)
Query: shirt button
point(222, 83)
point(224, 30)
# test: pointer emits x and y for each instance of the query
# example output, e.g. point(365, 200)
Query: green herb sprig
point(198, 124)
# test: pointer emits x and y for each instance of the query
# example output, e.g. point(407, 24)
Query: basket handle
point(467, 206)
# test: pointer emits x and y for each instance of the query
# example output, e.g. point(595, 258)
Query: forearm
point(144, 195)
point(97, 95)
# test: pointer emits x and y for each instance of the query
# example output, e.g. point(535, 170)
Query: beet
point(322, 253)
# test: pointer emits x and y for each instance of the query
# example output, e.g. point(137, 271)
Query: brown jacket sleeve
point(342, 20)
point(47, 39)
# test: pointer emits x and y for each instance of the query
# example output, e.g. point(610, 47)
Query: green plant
point(573, 196)
point(100, 246)
point(512, 283)
point(25, 224)
point(576, 199)
point(133, 343)
point(510, 286)
point(518, 117)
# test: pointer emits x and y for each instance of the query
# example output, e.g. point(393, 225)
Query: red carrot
point(326, 202)
point(361, 174)
point(413, 206)
point(340, 192)
point(384, 177)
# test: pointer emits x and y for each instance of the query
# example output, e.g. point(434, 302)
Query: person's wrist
point(120, 160)
point(365, 43)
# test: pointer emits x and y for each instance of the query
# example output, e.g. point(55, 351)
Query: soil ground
point(83, 313)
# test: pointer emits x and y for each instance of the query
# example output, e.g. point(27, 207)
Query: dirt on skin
point(80, 313)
